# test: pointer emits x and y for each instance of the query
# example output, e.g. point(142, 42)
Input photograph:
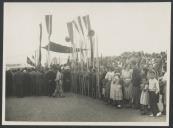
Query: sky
point(119, 27)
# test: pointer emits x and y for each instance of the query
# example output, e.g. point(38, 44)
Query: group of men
point(36, 82)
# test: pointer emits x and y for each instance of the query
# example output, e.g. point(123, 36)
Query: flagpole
point(98, 66)
point(35, 58)
point(39, 63)
point(49, 45)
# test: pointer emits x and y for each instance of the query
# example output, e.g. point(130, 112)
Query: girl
point(118, 94)
point(144, 100)
point(108, 78)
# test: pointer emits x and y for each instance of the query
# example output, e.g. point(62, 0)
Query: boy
point(153, 94)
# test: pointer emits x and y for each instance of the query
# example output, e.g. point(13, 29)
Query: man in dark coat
point(50, 77)
point(27, 83)
point(9, 83)
point(38, 83)
point(66, 80)
point(33, 82)
point(18, 79)
point(136, 81)
point(94, 83)
point(102, 77)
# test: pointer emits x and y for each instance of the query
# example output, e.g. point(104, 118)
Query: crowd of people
point(132, 80)
point(37, 82)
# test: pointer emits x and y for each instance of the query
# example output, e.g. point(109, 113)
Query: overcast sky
point(120, 27)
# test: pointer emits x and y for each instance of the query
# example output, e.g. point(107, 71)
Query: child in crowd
point(153, 94)
point(144, 100)
point(118, 94)
point(109, 76)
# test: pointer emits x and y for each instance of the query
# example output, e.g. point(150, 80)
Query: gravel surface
point(71, 108)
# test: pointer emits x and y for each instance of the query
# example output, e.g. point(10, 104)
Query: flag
point(33, 57)
point(85, 21)
point(88, 22)
point(29, 61)
point(75, 24)
point(39, 59)
point(70, 31)
point(48, 19)
point(80, 24)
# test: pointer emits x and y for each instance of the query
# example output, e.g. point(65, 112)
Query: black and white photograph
point(72, 63)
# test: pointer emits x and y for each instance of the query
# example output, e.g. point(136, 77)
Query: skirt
point(112, 91)
point(107, 89)
point(164, 95)
point(127, 86)
point(118, 94)
point(103, 91)
point(144, 100)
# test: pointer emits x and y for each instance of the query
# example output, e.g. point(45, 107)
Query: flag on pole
point(85, 21)
point(48, 19)
point(70, 31)
point(75, 24)
point(29, 61)
point(88, 22)
point(33, 57)
point(80, 24)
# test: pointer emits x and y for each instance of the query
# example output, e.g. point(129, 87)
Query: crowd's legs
point(153, 99)
point(127, 93)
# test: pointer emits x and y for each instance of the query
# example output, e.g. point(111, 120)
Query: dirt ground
point(73, 107)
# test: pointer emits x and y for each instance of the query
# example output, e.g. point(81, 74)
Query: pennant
point(85, 21)
point(76, 26)
point(29, 61)
point(88, 22)
point(33, 57)
point(70, 31)
point(80, 24)
point(48, 19)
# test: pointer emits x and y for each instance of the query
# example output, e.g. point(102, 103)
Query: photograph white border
point(166, 123)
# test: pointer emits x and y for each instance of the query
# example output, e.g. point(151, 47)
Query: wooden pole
point(98, 70)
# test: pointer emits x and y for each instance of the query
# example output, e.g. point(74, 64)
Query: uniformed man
point(33, 82)
point(18, 79)
point(59, 84)
point(50, 77)
point(9, 83)
point(66, 80)
point(26, 83)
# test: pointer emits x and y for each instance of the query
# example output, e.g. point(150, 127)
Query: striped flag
point(70, 31)
point(88, 22)
point(85, 21)
point(76, 26)
point(48, 19)
point(80, 24)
